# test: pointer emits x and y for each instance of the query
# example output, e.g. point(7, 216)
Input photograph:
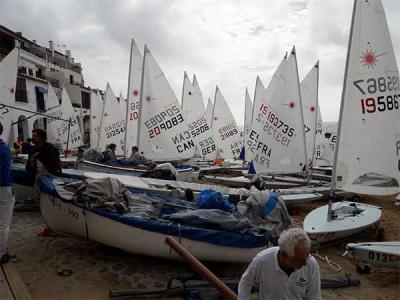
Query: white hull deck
point(320, 230)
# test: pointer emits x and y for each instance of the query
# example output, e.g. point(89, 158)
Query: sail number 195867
point(380, 103)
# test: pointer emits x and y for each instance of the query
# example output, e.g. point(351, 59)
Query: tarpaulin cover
point(212, 236)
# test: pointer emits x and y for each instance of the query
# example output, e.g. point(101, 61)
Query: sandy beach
point(96, 268)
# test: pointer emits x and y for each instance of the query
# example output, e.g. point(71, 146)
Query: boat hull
point(320, 230)
point(380, 254)
point(69, 219)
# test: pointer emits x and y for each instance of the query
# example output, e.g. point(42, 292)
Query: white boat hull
point(181, 174)
point(72, 220)
point(380, 254)
point(320, 230)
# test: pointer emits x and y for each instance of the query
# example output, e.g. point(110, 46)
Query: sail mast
point(301, 105)
point(346, 70)
point(141, 95)
point(128, 94)
point(316, 117)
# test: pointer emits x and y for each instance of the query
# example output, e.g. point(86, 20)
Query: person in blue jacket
point(7, 198)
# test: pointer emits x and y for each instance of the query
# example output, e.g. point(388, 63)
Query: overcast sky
point(227, 42)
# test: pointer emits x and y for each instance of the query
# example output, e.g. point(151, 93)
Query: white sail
point(276, 137)
point(198, 104)
point(112, 125)
point(96, 110)
point(309, 97)
point(133, 99)
point(209, 111)
point(122, 103)
point(319, 140)
point(328, 144)
point(225, 129)
point(248, 115)
point(200, 129)
point(8, 81)
point(368, 149)
point(187, 94)
point(163, 130)
point(259, 93)
point(58, 129)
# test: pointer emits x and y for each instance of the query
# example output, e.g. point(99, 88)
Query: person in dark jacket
point(27, 146)
point(44, 160)
point(7, 198)
point(44, 157)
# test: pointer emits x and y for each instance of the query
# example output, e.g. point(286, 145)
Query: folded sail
point(96, 110)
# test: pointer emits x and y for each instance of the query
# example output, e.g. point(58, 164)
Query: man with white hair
point(284, 272)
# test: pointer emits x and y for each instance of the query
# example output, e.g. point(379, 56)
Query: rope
point(333, 265)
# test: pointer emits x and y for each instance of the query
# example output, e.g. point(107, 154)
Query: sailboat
point(367, 156)
point(225, 129)
point(133, 98)
point(193, 109)
point(96, 110)
point(8, 79)
point(67, 135)
point(112, 124)
point(276, 141)
point(209, 110)
point(163, 132)
point(309, 96)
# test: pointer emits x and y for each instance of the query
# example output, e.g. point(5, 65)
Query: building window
point(71, 79)
point(21, 94)
point(30, 72)
point(40, 107)
point(39, 73)
point(22, 70)
point(85, 100)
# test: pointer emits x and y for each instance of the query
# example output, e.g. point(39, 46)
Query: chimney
point(19, 33)
point(51, 46)
point(34, 41)
point(68, 54)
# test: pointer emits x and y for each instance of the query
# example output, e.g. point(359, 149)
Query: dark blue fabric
point(210, 199)
point(271, 203)
point(183, 167)
point(216, 237)
point(46, 185)
point(5, 163)
point(242, 154)
point(252, 170)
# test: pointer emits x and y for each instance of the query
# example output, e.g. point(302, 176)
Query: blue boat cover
point(216, 237)
point(210, 199)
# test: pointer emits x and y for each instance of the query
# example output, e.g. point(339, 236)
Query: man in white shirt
point(284, 272)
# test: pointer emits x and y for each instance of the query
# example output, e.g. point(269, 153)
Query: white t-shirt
point(273, 283)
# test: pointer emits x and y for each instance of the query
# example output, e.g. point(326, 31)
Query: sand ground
point(97, 269)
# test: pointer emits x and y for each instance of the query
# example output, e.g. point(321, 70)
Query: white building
point(38, 65)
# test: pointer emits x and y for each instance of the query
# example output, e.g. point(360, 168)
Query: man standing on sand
point(7, 198)
point(284, 272)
